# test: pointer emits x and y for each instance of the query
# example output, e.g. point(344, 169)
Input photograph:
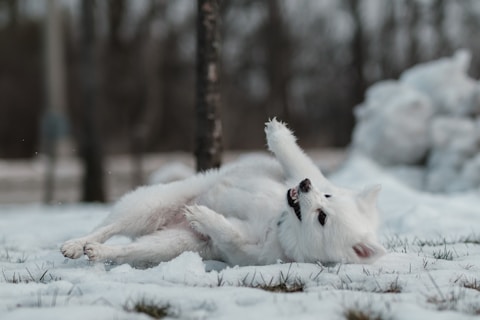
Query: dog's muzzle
point(305, 185)
point(292, 198)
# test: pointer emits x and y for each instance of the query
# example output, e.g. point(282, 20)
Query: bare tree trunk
point(53, 122)
point(387, 39)
point(413, 27)
point(117, 59)
point(358, 51)
point(356, 69)
point(116, 14)
point(443, 45)
point(13, 13)
point(151, 55)
point(93, 180)
point(208, 149)
point(278, 62)
point(472, 25)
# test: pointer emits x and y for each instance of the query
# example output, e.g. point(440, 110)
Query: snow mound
point(428, 121)
point(447, 84)
point(394, 114)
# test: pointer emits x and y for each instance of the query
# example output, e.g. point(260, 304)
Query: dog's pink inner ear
point(368, 251)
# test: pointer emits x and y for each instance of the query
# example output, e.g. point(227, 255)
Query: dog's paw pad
point(72, 249)
point(93, 251)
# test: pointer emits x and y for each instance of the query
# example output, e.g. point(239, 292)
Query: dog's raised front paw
point(273, 125)
point(277, 131)
point(72, 249)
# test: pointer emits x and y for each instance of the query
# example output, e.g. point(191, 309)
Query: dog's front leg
point(295, 163)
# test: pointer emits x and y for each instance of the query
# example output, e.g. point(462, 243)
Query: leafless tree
point(413, 26)
point(471, 27)
point(208, 148)
point(13, 12)
point(278, 55)
point(357, 50)
point(151, 54)
point(90, 146)
point(387, 39)
point(439, 12)
point(116, 13)
point(53, 122)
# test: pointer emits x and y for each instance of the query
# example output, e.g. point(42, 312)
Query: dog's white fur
point(240, 215)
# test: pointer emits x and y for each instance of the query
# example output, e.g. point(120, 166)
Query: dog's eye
point(327, 195)
point(322, 217)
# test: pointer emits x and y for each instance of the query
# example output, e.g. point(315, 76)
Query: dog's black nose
point(305, 185)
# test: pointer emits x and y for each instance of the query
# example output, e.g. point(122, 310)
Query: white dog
point(243, 214)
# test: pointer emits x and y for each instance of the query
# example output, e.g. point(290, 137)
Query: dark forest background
point(307, 62)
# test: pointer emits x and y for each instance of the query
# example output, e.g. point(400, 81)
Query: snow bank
point(428, 118)
point(394, 115)
point(447, 84)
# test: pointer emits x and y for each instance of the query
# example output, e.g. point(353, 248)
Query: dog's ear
point(368, 196)
point(369, 251)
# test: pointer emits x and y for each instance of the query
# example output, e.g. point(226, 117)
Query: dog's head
point(337, 226)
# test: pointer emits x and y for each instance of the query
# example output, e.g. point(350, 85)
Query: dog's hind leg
point(294, 161)
point(137, 214)
point(232, 244)
point(151, 249)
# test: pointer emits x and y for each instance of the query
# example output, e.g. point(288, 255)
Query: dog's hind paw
point(94, 251)
point(190, 213)
point(201, 218)
point(212, 225)
point(72, 249)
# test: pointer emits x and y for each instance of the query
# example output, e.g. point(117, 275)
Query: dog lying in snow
point(255, 211)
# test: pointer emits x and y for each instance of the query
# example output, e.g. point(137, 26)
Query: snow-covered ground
point(432, 269)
